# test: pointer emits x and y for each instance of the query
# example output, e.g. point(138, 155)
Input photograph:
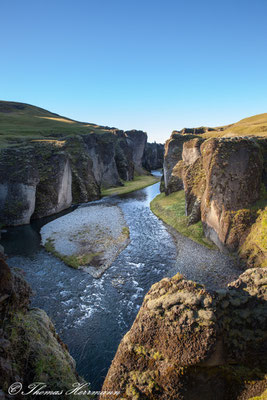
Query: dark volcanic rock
point(138, 140)
point(153, 156)
point(124, 156)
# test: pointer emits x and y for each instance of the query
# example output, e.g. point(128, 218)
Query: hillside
point(20, 122)
point(255, 126)
point(252, 126)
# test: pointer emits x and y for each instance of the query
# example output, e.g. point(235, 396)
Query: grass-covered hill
point(252, 126)
point(20, 122)
point(256, 126)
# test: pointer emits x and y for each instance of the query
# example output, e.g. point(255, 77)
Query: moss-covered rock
point(188, 343)
point(30, 349)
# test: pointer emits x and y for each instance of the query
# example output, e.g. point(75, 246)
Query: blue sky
point(151, 65)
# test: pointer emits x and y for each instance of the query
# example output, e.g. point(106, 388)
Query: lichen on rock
point(187, 342)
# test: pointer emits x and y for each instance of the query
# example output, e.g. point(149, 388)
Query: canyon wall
point(188, 342)
point(153, 156)
point(224, 180)
point(44, 177)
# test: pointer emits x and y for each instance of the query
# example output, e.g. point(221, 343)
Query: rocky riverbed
point(90, 237)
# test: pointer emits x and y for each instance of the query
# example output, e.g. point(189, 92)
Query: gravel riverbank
point(198, 263)
point(90, 237)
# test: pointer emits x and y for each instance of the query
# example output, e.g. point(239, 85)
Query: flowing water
point(92, 315)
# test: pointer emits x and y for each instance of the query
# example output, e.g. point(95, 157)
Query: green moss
point(171, 209)
point(255, 246)
point(126, 231)
point(139, 182)
point(74, 261)
point(263, 396)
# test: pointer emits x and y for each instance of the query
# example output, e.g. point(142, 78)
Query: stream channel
point(92, 315)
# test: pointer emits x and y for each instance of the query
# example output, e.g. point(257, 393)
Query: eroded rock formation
point(187, 343)
point(30, 349)
point(172, 156)
point(44, 177)
point(153, 156)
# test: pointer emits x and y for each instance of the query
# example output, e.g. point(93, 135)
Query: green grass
point(74, 261)
point(27, 122)
point(252, 126)
point(171, 210)
point(139, 182)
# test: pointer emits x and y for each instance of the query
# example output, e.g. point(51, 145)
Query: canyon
point(188, 340)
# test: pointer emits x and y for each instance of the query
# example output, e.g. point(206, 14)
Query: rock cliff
point(153, 156)
point(172, 156)
point(224, 179)
point(137, 141)
point(224, 186)
point(187, 343)
point(60, 162)
point(30, 349)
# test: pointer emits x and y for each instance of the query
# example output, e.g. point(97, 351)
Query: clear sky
point(155, 65)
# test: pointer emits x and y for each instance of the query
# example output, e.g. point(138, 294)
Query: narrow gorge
point(161, 303)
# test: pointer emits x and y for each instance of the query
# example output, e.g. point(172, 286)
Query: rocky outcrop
point(35, 182)
point(233, 169)
point(101, 150)
point(194, 180)
point(173, 154)
point(224, 183)
point(30, 349)
point(137, 142)
point(187, 343)
point(84, 185)
point(17, 185)
point(44, 177)
point(54, 189)
point(124, 156)
point(153, 156)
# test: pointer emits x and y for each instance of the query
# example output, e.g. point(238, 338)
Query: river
point(92, 315)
